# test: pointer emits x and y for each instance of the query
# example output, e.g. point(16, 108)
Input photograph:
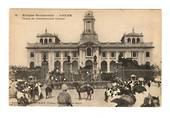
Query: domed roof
point(133, 34)
point(46, 34)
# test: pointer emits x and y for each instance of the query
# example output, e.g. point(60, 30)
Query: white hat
point(141, 79)
point(64, 87)
point(30, 77)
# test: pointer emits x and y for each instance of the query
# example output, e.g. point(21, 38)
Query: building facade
point(51, 53)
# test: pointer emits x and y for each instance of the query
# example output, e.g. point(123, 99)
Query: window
point(66, 54)
point(133, 40)
point(74, 54)
point(57, 54)
point(138, 40)
point(128, 40)
point(134, 54)
point(45, 55)
point(32, 54)
point(41, 41)
point(89, 52)
point(103, 54)
point(50, 40)
point(45, 41)
point(113, 54)
point(121, 54)
point(31, 65)
point(147, 54)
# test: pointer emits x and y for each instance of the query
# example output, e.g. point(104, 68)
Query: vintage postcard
point(85, 57)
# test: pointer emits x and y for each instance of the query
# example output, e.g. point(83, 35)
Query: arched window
point(50, 40)
point(128, 40)
point(89, 52)
point(138, 40)
point(66, 67)
point(75, 66)
point(147, 65)
point(104, 66)
point(133, 40)
point(32, 54)
point(31, 64)
point(112, 66)
point(57, 65)
point(45, 56)
point(41, 41)
point(45, 41)
point(89, 64)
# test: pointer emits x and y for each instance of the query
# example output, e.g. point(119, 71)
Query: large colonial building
point(51, 53)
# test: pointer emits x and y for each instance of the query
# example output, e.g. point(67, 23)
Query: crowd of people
point(124, 93)
point(26, 91)
point(30, 91)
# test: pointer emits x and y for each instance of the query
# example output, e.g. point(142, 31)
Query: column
point(128, 54)
point(36, 58)
point(51, 61)
point(39, 59)
point(82, 57)
point(108, 62)
point(98, 58)
point(61, 62)
point(139, 57)
point(71, 56)
point(151, 57)
point(142, 57)
point(28, 58)
point(117, 56)
point(99, 62)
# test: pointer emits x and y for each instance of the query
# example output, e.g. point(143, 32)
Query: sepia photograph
point(85, 57)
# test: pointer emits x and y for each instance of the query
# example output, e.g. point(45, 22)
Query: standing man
point(64, 98)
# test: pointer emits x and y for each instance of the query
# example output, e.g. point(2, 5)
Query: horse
point(84, 88)
point(48, 90)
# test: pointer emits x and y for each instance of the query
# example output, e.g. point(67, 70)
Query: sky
point(110, 25)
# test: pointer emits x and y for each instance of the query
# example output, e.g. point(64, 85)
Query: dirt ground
point(97, 98)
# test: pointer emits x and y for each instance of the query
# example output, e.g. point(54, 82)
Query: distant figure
point(151, 101)
point(64, 98)
point(49, 89)
point(108, 95)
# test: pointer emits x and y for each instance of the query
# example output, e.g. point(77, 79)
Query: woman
point(64, 98)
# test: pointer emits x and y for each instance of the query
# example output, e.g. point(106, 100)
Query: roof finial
point(46, 30)
point(133, 30)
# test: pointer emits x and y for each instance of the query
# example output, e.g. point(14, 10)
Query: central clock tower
point(89, 34)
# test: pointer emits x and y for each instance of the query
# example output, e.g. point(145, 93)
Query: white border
point(44, 112)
